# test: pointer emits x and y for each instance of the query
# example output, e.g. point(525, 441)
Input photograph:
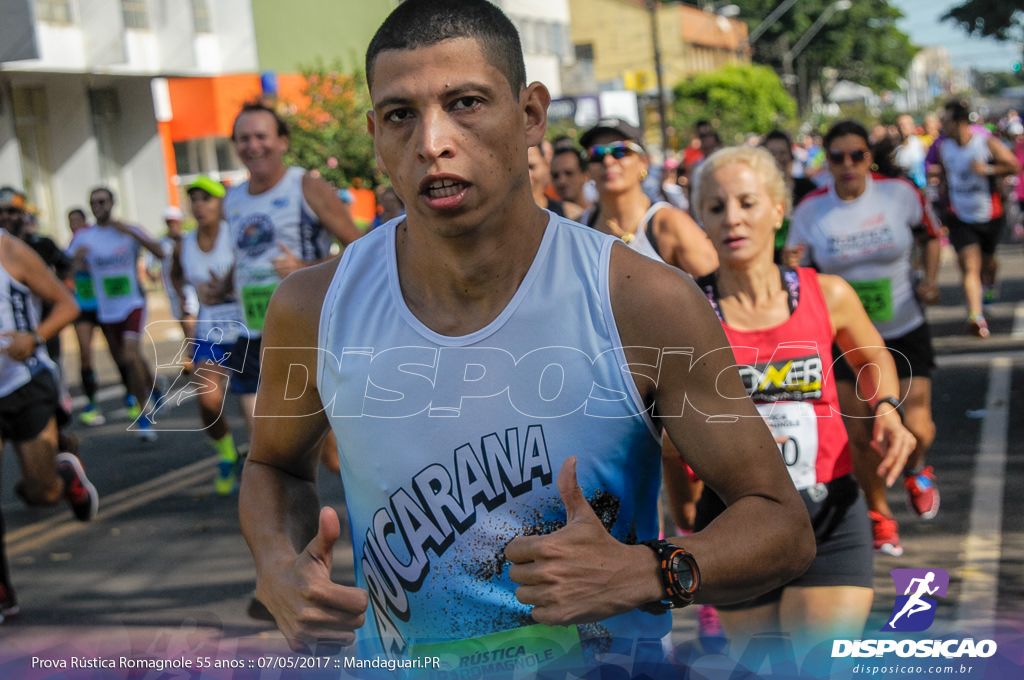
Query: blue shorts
point(244, 363)
point(211, 352)
point(224, 355)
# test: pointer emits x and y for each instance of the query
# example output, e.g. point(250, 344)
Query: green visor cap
point(212, 187)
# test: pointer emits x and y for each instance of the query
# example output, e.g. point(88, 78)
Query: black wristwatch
point(37, 339)
point(680, 577)
point(892, 401)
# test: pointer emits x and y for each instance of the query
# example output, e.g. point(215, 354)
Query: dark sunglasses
point(617, 150)
point(10, 210)
point(856, 156)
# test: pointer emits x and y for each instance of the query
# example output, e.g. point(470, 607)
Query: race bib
point(84, 288)
point(516, 653)
point(795, 426)
point(255, 300)
point(876, 296)
point(117, 286)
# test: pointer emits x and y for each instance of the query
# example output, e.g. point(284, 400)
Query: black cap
point(616, 125)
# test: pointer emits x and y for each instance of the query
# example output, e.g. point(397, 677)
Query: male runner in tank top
point(476, 272)
point(282, 219)
point(970, 163)
point(28, 386)
point(110, 250)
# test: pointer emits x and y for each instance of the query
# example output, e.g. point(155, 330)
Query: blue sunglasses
point(617, 150)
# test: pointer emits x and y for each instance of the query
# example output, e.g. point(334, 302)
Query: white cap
point(173, 212)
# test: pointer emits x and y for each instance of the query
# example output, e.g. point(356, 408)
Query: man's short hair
point(259, 107)
point(109, 192)
point(576, 153)
point(843, 128)
point(423, 23)
point(77, 211)
point(958, 110)
point(778, 135)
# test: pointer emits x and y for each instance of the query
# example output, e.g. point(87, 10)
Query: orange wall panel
point(206, 107)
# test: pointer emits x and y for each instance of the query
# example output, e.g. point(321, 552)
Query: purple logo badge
point(915, 609)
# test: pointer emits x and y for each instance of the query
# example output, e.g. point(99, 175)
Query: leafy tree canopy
point(737, 98)
point(999, 19)
point(328, 128)
point(861, 44)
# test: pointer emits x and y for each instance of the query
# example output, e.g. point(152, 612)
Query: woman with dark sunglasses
point(618, 165)
point(863, 228)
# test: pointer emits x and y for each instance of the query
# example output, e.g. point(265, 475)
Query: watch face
point(683, 570)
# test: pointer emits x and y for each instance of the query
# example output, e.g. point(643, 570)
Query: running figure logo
point(914, 609)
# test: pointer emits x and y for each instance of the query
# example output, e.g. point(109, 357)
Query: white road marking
point(976, 608)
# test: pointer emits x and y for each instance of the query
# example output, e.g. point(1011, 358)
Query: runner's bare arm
point(290, 535)
point(1003, 161)
point(144, 239)
point(331, 210)
point(865, 351)
point(581, 573)
point(25, 266)
point(685, 244)
point(764, 538)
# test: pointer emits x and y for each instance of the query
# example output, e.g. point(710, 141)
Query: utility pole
point(652, 9)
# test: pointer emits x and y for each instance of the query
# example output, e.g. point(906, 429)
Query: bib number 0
point(795, 426)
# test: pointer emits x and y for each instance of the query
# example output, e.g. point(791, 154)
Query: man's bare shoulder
point(656, 304)
point(295, 307)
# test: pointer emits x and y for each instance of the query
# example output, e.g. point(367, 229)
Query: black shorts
point(88, 316)
point(26, 411)
point(913, 354)
point(244, 363)
point(842, 532)
point(985, 235)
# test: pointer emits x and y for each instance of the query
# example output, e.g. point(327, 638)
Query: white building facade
point(77, 95)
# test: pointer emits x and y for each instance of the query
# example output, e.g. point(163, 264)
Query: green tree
point(999, 19)
point(861, 44)
point(328, 128)
point(737, 98)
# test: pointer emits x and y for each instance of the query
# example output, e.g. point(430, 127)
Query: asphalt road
point(163, 571)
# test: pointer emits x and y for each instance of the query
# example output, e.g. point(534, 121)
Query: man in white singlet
point(110, 251)
point(432, 330)
point(28, 386)
point(281, 219)
point(970, 163)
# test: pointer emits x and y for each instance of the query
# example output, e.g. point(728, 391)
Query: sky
point(921, 23)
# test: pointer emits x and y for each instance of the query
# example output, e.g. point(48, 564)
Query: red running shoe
point(79, 492)
point(922, 494)
point(885, 532)
point(709, 630)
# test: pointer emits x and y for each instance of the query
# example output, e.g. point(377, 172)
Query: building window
point(201, 20)
point(135, 13)
point(54, 11)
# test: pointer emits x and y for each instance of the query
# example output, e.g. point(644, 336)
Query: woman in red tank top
point(782, 323)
